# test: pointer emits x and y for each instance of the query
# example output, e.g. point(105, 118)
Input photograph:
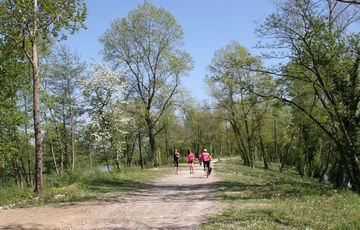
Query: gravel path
point(175, 201)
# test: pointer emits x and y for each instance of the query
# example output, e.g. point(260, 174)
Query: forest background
point(60, 115)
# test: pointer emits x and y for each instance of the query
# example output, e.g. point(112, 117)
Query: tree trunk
point(322, 175)
point(152, 142)
point(141, 157)
point(117, 159)
point(287, 152)
point(130, 149)
point(62, 151)
point(276, 147)
point(89, 153)
point(53, 156)
point(167, 143)
point(52, 148)
point(65, 141)
point(228, 140)
point(72, 131)
point(28, 153)
point(37, 128)
point(106, 158)
point(263, 151)
point(250, 147)
point(240, 143)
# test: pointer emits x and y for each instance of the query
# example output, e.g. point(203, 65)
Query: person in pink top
point(190, 158)
point(200, 158)
point(206, 158)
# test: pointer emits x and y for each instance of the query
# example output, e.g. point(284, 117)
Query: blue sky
point(207, 24)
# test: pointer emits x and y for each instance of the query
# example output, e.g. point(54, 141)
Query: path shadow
point(24, 227)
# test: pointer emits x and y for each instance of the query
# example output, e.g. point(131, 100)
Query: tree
point(229, 75)
point(103, 92)
point(324, 58)
point(64, 70)
point(145, 45)
point(12, 120)
point(27, 23)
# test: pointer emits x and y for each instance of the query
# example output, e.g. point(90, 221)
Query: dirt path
point(179, 201)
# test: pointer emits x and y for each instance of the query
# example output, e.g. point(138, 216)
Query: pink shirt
point(191, 156)
point(206, 156)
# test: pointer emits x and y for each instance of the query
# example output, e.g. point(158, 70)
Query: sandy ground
point(175, 201)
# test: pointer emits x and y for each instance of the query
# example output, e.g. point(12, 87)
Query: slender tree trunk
point(37, 128)
point(287, 152)
point(16, 171)
point(240, 143)
point(54, 157)
point(62, 151)
point(263, 151)
point(28, 153)
point(72, 130)
point(117, 159)
point(167, 143)
point(23, 168)
point(198, 137)
point(51, 144)
point(117, 154)
point(322, 175)
point(228, 140)
point(249, 145)
point(89, 153)
point(29, 173)
point(72, 144)
point(66, 140)
point(130, 149)
point(140, 152)
point(106, 158)
point(276, 146)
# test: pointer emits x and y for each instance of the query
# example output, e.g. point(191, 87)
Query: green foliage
point(266, 199)
point(52, 18)
point(146, 47)
point(11, 194)
point(79, 185)
point(231, 75)
point(320, 79)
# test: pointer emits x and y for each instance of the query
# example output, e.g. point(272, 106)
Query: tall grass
point(79, 185)
point(267, 199)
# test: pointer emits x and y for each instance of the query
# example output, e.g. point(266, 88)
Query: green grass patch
point(267, 199)
point(11, 195)
point(80, 185)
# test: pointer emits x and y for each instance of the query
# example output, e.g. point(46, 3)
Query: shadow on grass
point(270, 218)
point(265, 184)
point(238, 190)
point(105, 185)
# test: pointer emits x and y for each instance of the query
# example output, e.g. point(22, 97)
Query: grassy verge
point(80, 185)
point(267, 199)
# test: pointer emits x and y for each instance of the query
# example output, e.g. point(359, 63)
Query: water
point(104, 168)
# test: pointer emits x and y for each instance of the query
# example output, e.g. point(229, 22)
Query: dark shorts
point(176, 162)
point(190, 162)
point(206, 164)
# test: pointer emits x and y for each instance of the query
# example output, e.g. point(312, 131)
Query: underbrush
point(79, 185)
point(267, 199)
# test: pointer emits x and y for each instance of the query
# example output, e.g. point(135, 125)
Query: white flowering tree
point(106, 108)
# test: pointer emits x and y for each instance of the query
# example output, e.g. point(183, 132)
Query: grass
point(80, 185)
point(266, 199)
